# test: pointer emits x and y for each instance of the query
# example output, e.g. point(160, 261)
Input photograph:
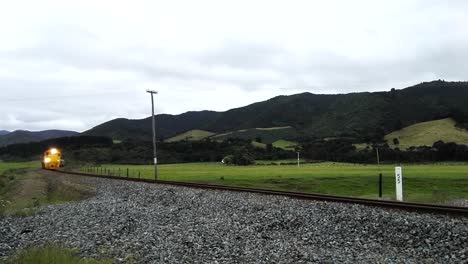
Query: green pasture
point(426, 133)
point(422, 183)
point(18, 165)
point(439, 182)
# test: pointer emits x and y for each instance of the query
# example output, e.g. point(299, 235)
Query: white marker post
point(399, 183)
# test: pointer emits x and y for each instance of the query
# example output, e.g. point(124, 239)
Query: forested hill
point(361, 115)
point(140, 129)
point(24, 136)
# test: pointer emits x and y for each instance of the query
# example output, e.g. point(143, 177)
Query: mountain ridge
point(364, 115)
point(25, 136)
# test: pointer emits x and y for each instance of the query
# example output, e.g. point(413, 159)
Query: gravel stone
point(153, 223)
point(459, 202)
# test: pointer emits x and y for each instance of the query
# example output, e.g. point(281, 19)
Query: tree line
point(343, 150)
point(94, 149)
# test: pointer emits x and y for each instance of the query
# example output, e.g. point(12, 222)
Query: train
point(52, 159)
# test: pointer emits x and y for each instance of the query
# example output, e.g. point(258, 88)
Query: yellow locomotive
point(52, 159)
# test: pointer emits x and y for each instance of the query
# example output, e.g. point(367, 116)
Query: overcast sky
point(75, 64)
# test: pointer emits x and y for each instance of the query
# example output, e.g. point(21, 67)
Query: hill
point(4, 132)
point(191, 135)
point(261, 135)
point(365, 116)
point(426, 133)
point(140, 129)
point(24, 136)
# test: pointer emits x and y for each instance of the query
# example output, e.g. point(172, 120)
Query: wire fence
point(119, 172)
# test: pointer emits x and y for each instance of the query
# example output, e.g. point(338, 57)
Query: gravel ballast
point(153, 223)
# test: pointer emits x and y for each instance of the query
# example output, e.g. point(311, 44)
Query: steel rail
point(433, 208)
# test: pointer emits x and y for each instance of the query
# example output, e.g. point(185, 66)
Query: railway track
point(432, 208)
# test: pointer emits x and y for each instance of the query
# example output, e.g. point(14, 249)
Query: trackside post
point(380, 185)
point(399, 183)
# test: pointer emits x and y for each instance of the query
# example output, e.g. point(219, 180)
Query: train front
point(51, 159)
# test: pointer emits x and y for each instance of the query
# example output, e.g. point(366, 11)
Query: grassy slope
point(285, 144)
point(426, 183)
point(18, 165)
point(23, 189)
point(195, 134)
point(246, 133)
point(361, 146)
point(268, 135)
point(52, 254)
point(258, 144)
point(273, 128)
point(426, 133)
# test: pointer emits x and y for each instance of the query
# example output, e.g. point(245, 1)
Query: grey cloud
point(236, 54)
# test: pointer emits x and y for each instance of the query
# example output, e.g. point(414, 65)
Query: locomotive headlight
point(46, 160)
point(53, 151)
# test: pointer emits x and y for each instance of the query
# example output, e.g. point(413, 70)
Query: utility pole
point(152, 92)
point(380, 172)
point(298, 158)
point(378, 158)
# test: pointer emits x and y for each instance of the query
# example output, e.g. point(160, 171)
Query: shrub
point(241, 157)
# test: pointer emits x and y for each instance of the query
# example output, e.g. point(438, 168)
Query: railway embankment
point(162, 223)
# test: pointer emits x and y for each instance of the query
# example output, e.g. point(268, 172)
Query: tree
point(398, 125)
point(396, 142)
point(241, 157)
point(228, 160)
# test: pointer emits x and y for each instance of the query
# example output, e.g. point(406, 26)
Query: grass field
point(18, 165)
point(426, 133)
point(423, 183)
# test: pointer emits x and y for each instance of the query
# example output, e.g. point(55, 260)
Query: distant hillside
point(426, 133)
point(259, 136)
point(23, 136)
point(265, 135)
point(364, 116)
point(166, 126)
point(191, 135)
point(4, 132)
point(284, 144)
